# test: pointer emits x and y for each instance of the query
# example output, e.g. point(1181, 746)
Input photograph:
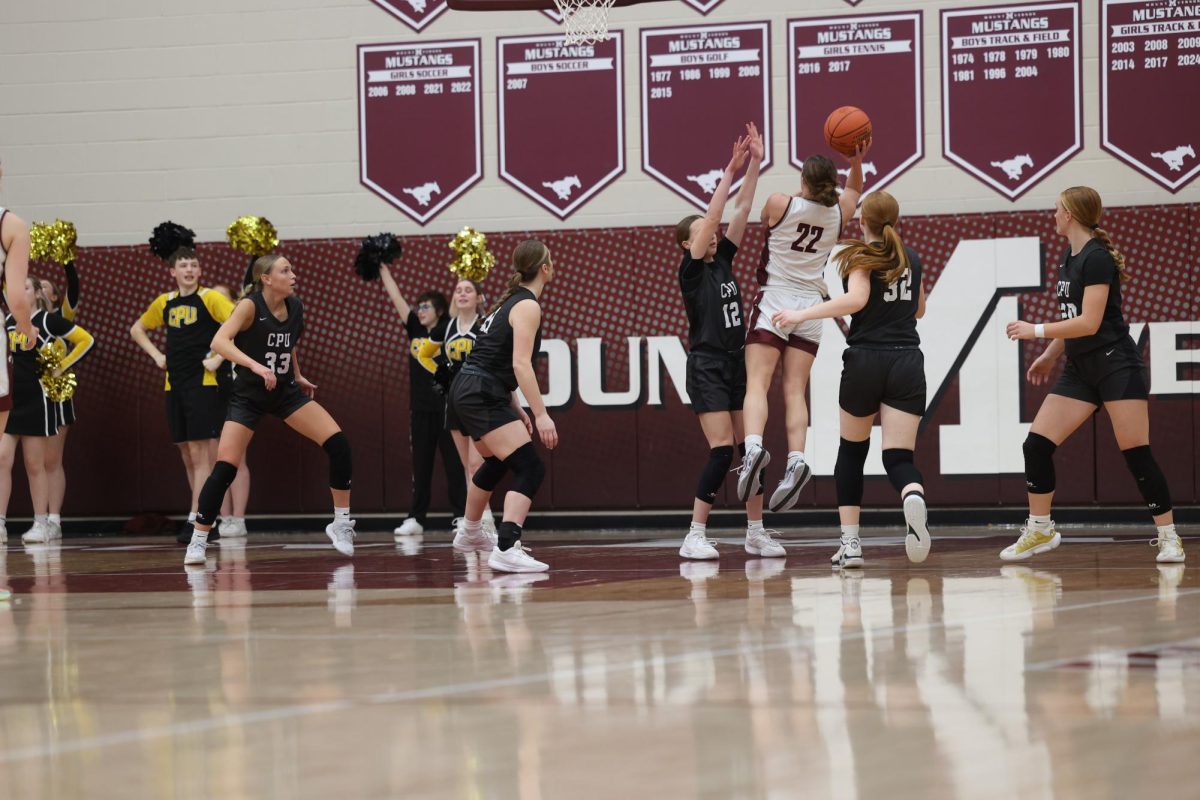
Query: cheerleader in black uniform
point(35, 417)
point(67, 307)
point(883, 371)
point(1104, 368)
point(233, 507)
point(260, 337)
point(484, 398)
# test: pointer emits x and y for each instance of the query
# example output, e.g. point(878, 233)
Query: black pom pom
point(169, 237)
point(376, 250)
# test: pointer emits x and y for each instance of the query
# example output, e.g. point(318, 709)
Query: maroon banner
point(416, 14)
point(703, 6)
point(700, 85)
point(560, 162)
point(416, 100)
point(876, 63)
point(1149, 81)
point(1011, 92)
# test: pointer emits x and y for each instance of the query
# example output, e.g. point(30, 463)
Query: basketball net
point(584, 21)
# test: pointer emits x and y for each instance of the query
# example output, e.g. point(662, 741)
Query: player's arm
point(1039, 371)
point(716, 207)
point(525, 317)
point(223, 345)
point(14, 235)
point(70, 304)
point(854, 183)
point(393, 291)
point(80, 340)
point(152, 318)
point(858, 292)
point(1095, 297)
point(745, 197)
point(921, 303)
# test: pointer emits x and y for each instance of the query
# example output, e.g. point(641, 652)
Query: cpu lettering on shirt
point(279, 340)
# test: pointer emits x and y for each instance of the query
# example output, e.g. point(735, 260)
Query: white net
point(584, 21)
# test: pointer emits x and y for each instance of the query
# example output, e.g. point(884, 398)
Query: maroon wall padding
point(612, 283)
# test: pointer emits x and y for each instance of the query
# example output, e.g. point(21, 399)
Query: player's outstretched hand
point(741, 149)
point(757, 149)
point(1020, 330)
point(268, 376)
point(307, 386)
point(547, 432)
point(860, 151)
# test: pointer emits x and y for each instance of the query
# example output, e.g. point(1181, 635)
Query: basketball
point(845, 128)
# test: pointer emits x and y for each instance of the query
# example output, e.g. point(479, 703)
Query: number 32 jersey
point(889, 319)
point(713, 302)
point(270, 342)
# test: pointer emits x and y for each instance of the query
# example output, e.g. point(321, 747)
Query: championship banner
point(415, 100)
point(560, 161)
point(700, 86)
point(1150, 60)
point(416, 14)
point(1011, 92)
point(872, 62)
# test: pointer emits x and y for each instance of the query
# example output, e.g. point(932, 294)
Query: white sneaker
point(489, 523)
point(478, 542)
point(849, 554)
point(1031, 542)
point(410, 527)
point(697, 545)
point(196, 549)
point(917, 541)
point(750, 473)
point(233, 527)
point(515, 559)
point(225, 526)
point(341, 533)
point(787, 492)
point(55, 530)
point(40, 533)
point(3, 531)
point(1170, 549)
point(760, 542)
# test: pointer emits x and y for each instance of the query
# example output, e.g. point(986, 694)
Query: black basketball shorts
point(716, 382)
point(1115, 372)
point(479, 403)
point(194, 414)
point(871, 378)
point(249, 405)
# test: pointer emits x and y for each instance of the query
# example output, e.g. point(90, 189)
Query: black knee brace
point(213, 492)
point(1150, 480)
point(527, 468)
point(719, 461)
point(341, 465)
point(489, 474)
point(901, 471)
point(762, 483)
point(848, 471)
point(1039, 463)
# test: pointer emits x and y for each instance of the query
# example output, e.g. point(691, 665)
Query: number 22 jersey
point(270, 342)
point(713, 302)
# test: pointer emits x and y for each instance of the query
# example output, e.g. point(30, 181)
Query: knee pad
point(901, 471)
point(719, 461)
point(341, 465)
point(848, 471)
point(489, 473)
point(1150, 480)
point(213, 492)
point(528, 470)
point(1039, 463)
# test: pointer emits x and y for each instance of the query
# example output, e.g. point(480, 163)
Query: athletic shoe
point(697, 545)
point(515, 559)
point(788, 491)
point(1032, 542)
point(42, 532)
point(917, 541)
point(55, 530)
point(760, 542)
point(410, 527)
point(750, 473)
point(467, 542)
point(850, 553)
point(341, 533)
point(196, 549)
point(233, 527)
point(3, 531)
point(1170, 549)
point(188, 527)
point(225, 526)
point(489, 523)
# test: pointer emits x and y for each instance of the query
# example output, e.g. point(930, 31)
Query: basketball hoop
point(584, 21)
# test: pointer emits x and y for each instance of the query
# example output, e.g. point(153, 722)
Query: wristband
point(1039, 330)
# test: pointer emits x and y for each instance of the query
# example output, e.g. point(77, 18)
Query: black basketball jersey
point(458, 344)
point(493, 349)
point(1094, 265)
point(712, 301)
point(889, 319)
point(270, 342)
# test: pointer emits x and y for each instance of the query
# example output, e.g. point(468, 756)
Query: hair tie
point(1095, 227)
point(886, 223)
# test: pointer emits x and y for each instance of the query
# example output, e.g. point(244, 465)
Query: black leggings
point(428, 434)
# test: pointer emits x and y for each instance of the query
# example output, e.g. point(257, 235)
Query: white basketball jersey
point(798, 246)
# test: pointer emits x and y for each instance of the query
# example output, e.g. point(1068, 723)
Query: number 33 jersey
point(713, 302)
point(270, 342)
point(889, 319)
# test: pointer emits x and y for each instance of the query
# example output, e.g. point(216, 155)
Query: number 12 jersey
point(713, 302)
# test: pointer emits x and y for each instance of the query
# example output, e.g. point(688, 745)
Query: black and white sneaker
point(849, 554)
point(917, 541)
point(788, 491)
point(751, 472)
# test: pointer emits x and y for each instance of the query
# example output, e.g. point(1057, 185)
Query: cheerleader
point(65, 306)
point(261, 336)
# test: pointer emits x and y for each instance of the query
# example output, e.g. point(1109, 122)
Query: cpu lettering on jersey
point(181, 315)
point(459, 349)
point(279, 339)
point(729, 289)
point(1066, 308)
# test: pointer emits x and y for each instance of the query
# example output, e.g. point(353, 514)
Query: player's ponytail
point(821, 179)
point(261, 266)
point(528, 258)
point(880, 211)
point(1083, 204)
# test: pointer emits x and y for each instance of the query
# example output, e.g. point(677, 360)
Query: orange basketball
point(846, 128)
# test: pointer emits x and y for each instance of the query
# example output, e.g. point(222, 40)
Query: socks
point(1167, 531)
point(753, 441)
point(55, 519)
point(341, 514)
point(796, 455)
point(754, 525)
point(191, 516)
point(850, 532)
point(508, 534)
point(472, 528)
point(1040, 522)
point(700, 527)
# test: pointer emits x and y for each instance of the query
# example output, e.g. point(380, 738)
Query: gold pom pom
point(52, 241)
point(58, 388)
point(473, 261)
point(254, 236)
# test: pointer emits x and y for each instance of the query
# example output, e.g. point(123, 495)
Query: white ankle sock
point(1167, 531)
point(796, 454)
point(1040, 522)
point(850, 531)
point(699, 526)
point(191, 516)
point(472, 527)
point(341, 513)
point(754, 525)
point(753, 441)
point(56, 519)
